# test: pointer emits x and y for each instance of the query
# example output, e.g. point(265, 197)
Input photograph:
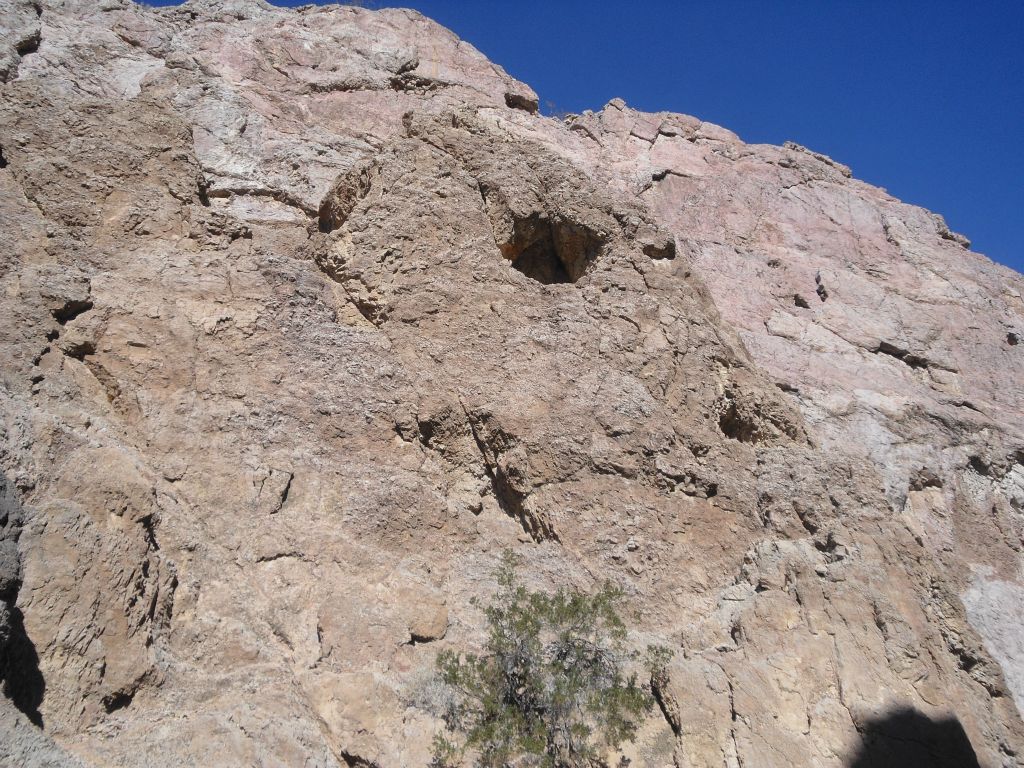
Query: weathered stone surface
point(307, 315)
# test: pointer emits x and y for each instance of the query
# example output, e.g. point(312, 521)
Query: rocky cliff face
point(307, 315)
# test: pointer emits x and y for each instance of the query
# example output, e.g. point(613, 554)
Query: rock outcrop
point(307, 315)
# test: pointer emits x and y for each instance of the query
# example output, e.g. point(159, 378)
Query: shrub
point(550, 689)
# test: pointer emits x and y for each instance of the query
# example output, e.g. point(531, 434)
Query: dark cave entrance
point(557, 252)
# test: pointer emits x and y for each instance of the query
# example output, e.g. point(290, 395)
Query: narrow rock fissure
point(172, 586)
point(510, 501)
point(149, 527)
point(969, 406)
point(337, 87)
point(110, 384)
point(733, 717)
point(347, 191)
point(657, 690)
point(664, 173)
point(280, 556)
point(904, 356)
point(284, 493)
point(410, 83)
point(372, 312)
point(279, 195)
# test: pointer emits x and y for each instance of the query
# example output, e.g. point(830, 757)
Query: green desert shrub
point(550, 689)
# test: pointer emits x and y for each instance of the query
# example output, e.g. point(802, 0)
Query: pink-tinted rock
point(307, 315)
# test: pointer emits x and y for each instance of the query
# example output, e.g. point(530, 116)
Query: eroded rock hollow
point(307, 315)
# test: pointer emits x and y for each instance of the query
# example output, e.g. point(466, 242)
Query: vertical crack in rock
point(82, 348)
point(669, 706)
point(283, 497)
point(272, 487)
point(332, 250)
point(344, 195)
point(203, 191)
point(733, 718)
point(148, 523)
point(167, 600)
point(511, 501)
point(963, 644)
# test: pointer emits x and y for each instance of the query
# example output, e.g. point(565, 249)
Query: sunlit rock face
point(307, 315)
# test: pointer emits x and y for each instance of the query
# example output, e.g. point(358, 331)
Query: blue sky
point(925, 99)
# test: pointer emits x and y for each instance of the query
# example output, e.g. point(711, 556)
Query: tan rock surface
point(306, 316)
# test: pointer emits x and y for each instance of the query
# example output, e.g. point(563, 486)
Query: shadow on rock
point(23, 682)
point(19, 663)
point(906, 738)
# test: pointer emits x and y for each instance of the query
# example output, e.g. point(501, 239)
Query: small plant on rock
point(550, 689)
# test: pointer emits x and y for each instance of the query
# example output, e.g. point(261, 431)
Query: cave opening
point(559, 252)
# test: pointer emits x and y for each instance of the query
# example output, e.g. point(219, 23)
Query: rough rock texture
point(307, 314)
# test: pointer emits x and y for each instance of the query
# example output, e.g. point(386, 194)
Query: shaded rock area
point(908, 738)
point(306, 315)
